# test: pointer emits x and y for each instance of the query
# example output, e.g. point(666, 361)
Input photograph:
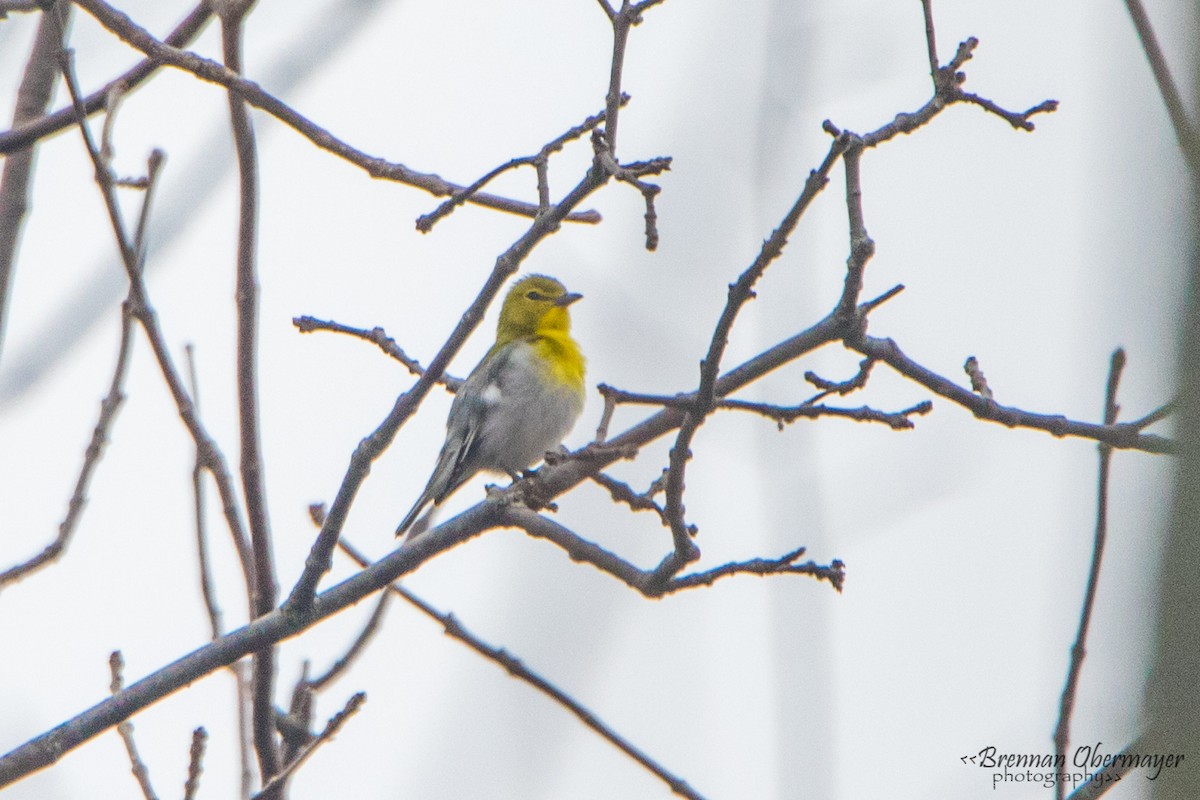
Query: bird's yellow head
point(536, 305)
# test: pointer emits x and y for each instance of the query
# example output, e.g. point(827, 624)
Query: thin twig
point(539, 162)
point(141, 309)
point(109, 407)
point(1062, 732)
point(1157, 415)
point(842, 388)
point(273, 786)
point(948, 91)
point(339, 667)
point(517, 669)
point(650, 582)
point(1123, 436)
point(195, 763)
point(377, 336)
point(212, 608)
point(979, 384)
point(623, 493)
point(116, 664)
point(783, 415)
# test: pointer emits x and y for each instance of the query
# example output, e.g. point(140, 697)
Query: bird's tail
point(422, 523)
point(411, 517)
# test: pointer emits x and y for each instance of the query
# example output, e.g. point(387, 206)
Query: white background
point(967, 544)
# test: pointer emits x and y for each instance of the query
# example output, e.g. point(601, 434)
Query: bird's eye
point(534, 294)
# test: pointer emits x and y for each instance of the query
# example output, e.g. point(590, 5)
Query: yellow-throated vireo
point(521, 399)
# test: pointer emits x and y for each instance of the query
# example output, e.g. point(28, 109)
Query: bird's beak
point(567, 299)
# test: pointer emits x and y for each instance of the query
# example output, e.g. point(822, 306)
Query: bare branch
point(623, 493)
point(740, 293)
point(109, 407)
point(377, 336)
point(273, 786)
point(834, 572)
point(862, 247)
point(1062, 732)
point(198, 505)
point(931, 41)
point(264, 589)
point(1111, 775)
point(18, 7)
point(632, 173)
point(339, 667)
point(135, 36)
point(979, 384)
point(842, 388)
point(195, 763)
point(517, 669)
point(650, 582)
point(1119, 435)
point(33, 96)
point(540, 162)
point(1157, 415)
point(140, 308)
point(1185, 129)
point(783, 415)
point(24, 135)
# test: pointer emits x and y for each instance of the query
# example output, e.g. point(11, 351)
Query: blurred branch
point(33, 96)
point(1110, 776)
point(30, 131)
point(517, 669)
point(339, 667)
point(1062, 732)
point(109, 407)
point(1185, 130)
point(116, 664)
point(137, 37)
point(264, 590)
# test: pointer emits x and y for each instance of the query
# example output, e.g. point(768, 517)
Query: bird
point(519, 402)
